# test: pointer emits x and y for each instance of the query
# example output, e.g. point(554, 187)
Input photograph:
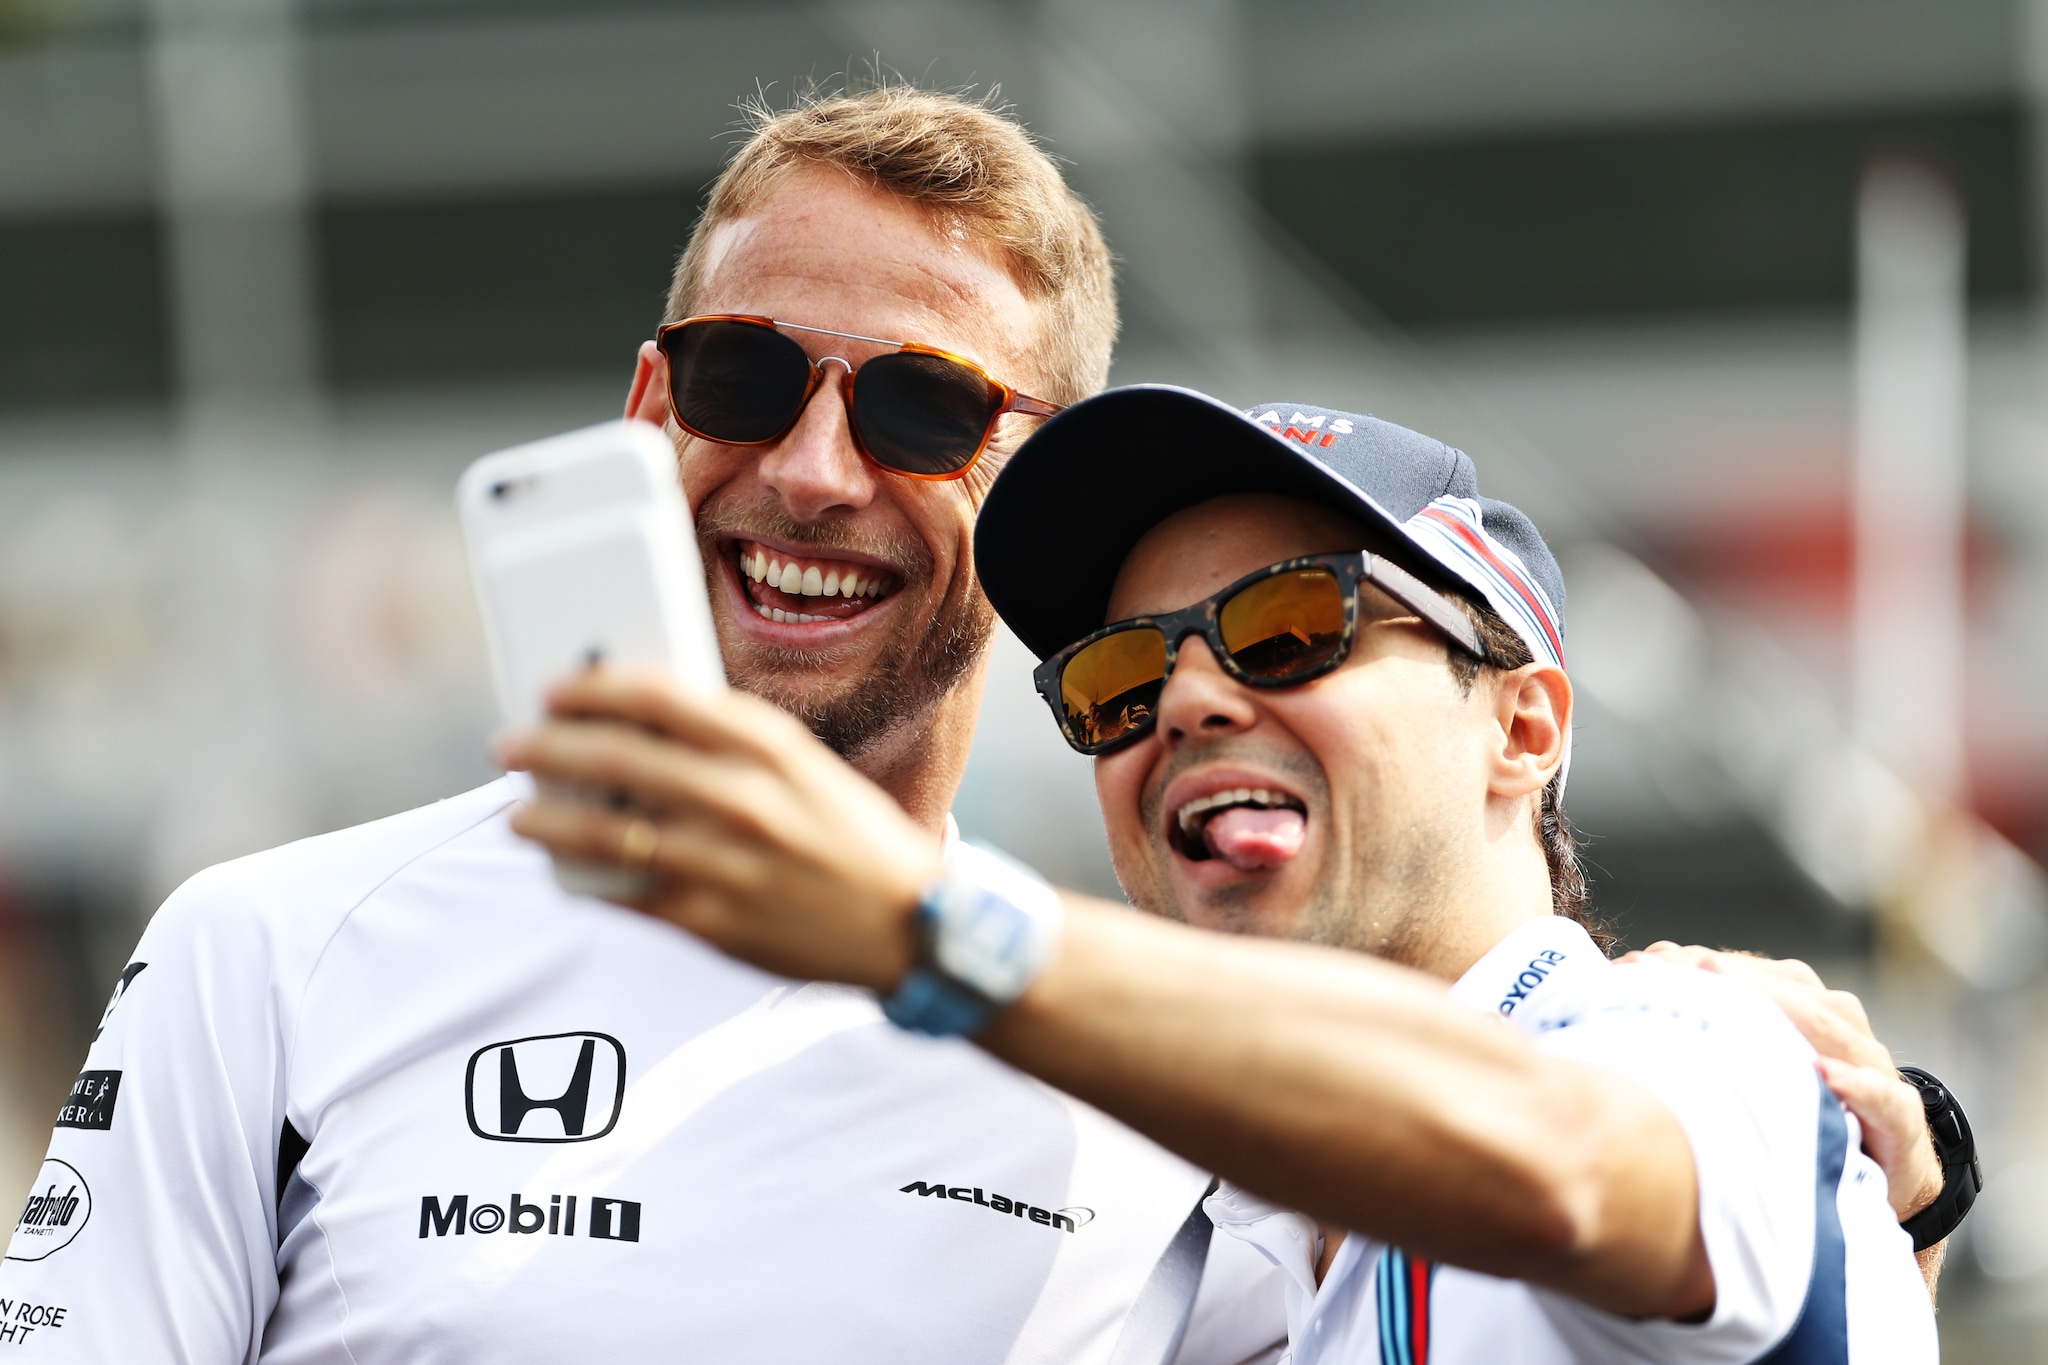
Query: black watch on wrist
point(1956, 1147)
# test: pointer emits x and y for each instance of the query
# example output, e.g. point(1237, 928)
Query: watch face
point(985, 941)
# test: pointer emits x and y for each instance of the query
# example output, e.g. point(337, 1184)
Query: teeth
point(798, 581)
point(788, 617)
point(1189, 815)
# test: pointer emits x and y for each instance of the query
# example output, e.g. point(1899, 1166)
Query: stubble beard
point(1384, 891)
point(1396, 900)
point(916, 666)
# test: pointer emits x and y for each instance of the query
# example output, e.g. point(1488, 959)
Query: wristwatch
point(1956, 1147)
point(986, 927)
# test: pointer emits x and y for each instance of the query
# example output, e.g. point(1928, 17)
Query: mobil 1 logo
point(609, 1220)
point(552, 1087)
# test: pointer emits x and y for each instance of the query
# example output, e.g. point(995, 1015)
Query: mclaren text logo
point(1066, 1220)
point(57, 1209)
point(555, 1087)
point(610, 1220)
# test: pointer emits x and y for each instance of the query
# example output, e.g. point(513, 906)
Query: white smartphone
point(581, 551)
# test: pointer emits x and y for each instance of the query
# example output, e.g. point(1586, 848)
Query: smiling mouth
point(803, 590)
point(1251, 828)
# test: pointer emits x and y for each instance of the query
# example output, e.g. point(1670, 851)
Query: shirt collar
point(1287, 1238)
point(1528, 964)
point(1518, 969)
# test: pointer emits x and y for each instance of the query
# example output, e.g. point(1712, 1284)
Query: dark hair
point(1506, 651)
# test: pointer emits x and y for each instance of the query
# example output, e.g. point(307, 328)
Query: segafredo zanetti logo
point(56, 1212)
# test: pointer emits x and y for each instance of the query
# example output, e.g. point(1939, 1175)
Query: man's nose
point(1200, 700)
point(815, 468)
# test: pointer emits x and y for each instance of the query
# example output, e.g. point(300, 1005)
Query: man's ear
point(648, 398)
point(1533, 705)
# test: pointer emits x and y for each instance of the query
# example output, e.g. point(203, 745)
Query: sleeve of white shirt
point(1793, 1214)
point(169, 1252)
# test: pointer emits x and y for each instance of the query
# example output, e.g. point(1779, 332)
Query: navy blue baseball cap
point(1080, 493)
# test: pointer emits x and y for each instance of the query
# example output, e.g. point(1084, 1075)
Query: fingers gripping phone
point(581, 552)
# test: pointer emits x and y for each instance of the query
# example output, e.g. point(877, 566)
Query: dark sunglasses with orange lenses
point(915, 410)
point(1287, 624)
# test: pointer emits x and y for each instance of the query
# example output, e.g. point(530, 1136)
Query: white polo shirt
point(1810, 1265)
point(389, 1094)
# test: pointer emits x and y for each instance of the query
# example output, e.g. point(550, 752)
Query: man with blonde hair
point(391, 1094)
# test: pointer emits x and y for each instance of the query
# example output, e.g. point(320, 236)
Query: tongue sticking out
point(1250, 839)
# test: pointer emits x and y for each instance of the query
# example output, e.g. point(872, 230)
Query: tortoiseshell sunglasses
point(1287, 624)
point(915, 411)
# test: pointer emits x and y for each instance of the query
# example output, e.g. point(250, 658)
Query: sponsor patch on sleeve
point(56, 1212)
point(128, 975)
point(91, 1104)
point(21, 1319)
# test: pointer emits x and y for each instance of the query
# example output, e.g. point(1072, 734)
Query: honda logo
point(554, 1087)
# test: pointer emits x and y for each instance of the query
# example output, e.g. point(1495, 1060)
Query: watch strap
point(1956, 1146)
point(931, 1002)
point(986, 926)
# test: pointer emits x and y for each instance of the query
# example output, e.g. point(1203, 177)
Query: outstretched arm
point(1354, 1090)
point(1362, 1094)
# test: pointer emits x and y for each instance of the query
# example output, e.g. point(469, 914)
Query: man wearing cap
point(1329, 706)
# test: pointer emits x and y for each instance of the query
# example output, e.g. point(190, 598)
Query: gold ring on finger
point(637, 846)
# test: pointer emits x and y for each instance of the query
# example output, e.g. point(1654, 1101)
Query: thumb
point(1894, 1130)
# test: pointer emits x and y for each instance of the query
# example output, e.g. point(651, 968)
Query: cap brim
point(1060, 519)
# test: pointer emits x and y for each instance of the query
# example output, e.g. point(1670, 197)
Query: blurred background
point(1741, 300)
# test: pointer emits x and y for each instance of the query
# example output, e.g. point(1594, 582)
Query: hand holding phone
point(581, 552)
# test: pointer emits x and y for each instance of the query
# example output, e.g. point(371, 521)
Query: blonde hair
point(965, 161)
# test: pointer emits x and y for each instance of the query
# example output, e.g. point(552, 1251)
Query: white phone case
point(580, 551)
